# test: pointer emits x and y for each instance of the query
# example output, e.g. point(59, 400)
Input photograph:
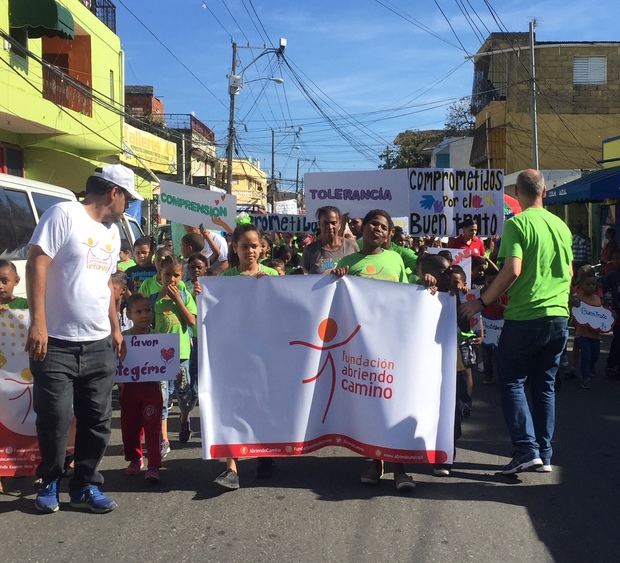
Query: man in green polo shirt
point(537, 251)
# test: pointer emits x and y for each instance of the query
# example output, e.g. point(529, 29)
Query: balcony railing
point(187, 122)
point(105, 10)
point(62, 92)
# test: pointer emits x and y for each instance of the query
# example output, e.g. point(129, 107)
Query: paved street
point(314, 508)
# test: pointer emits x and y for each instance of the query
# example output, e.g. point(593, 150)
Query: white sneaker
point(545, 468)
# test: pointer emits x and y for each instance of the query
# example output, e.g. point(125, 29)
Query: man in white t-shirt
point(74, 339)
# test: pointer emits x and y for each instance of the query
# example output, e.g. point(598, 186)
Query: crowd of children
point(155, 291)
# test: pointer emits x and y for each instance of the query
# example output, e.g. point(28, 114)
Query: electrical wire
point(171, 52)
point(416, 23)
point(450, 25)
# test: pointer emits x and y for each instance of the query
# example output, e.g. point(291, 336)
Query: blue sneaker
point(92, 498)
point(521, 463)
point(47, 497)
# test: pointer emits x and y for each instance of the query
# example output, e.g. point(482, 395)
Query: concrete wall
point(573, 119)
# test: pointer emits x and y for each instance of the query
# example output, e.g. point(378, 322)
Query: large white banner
point(436, 200)
point(363, 364)
point(196, 206)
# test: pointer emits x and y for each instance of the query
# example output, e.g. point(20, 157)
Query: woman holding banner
point(321, 256)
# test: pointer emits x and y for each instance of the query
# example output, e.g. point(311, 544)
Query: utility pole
point(183, 178)
point(297, 178)
point(273, 171)
point(533, 105)
point(232, 92)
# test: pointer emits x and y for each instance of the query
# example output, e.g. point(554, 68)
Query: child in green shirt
point(374, 262)
point(246, 248)
point(175, 313)
point(9, 278)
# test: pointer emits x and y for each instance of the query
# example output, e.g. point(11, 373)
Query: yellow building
point(149, 155)
point(249, 183)
point(611, 152)
point(61, 89)
point(578, 102)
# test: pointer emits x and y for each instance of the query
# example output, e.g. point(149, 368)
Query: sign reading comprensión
point(195, 206)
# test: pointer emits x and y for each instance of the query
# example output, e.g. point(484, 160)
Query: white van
point(22, 202)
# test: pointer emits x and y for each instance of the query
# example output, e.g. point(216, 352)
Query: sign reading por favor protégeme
point(196, 206)
point(150, 357)
point(275, 223)
point(436, 200)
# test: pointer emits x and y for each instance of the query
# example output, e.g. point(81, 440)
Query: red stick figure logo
point(328, 330)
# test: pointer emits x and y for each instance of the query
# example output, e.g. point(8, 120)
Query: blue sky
point(373, 73)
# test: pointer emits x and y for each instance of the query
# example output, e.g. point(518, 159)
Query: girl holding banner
point(246, 247)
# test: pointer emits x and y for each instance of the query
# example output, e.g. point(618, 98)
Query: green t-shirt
point(152, 285)
point(262, 268)
point(18, 303)
point(543, 242)
point(410, 258)
point(169, 320)
point(122, 266)
point(386, 266)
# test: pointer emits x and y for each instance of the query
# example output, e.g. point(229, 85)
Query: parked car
point(22, 202)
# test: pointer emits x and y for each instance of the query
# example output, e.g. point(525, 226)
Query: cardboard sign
point(275, 223)
point(442, 198)
point(598, 319)
point(195, 206)
point(351, 362)
point(460, 257)
point(437, 200)
point(356, 193)
point(150, 357)
point(492, 330)
point(286, 207)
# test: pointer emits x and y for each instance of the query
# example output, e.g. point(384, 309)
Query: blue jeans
point(531, 350)
point(74, 379)
point(590, 349)
point(183, 390)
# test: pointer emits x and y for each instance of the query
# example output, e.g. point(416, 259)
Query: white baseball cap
point(122, 177)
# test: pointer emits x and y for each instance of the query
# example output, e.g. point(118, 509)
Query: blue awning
point(594, 186)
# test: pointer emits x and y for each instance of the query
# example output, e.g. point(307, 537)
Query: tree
point(412, 149)
point(459, 120)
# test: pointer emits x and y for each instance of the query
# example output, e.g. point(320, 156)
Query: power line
point(154, 35)
point(236, 22)
point(260, 22)
point(450, 25)
point(415, 22)
point(66, 112)
point(206, 7)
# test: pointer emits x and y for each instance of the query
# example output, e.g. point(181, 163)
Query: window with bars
point(590, 70)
